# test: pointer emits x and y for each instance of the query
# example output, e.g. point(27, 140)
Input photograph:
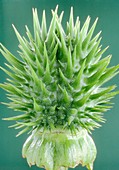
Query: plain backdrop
point(19, 13)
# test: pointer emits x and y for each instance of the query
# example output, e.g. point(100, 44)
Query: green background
point(19, 12)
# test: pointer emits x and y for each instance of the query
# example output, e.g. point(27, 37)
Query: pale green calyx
point(57, 84)
point(59, 149)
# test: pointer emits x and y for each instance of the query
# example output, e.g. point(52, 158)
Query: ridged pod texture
point(58, 83)
point(60, 149)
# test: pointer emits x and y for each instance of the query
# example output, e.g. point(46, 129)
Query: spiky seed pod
point(57, 84)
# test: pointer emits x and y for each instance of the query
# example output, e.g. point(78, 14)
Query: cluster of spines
point(57, 82)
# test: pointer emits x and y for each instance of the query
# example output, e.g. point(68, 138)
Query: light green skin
point(58, 150)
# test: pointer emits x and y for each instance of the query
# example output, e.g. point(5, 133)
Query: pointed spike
point(112, 94)
point(12, 89)
point(47, 67)
point(99, 54)
point(19, 73)
point(45, 50)
point(89, 35)
point(71, 22)
point(77, 24)
point(93, 41)
point(37, 107)
point(67, 28)
point(53, 55)
point(102, 92)
point(23, 131)
point(13, 76)
point(83, 100)
point(43, 88)
point(62, 37)
point(52, 46)
point(47, 77)
point(44, 26)
point(77, 83)
point(46, 59)
point(22, 42)
point(39, 43)
point(19, 126)
point(109, 74)
point(90, 57)
point(79, 47)
point(40, 68)
point(20, 117)
point(36, 23)
point(70, 119)
point(58, 41)
point(77, 30)
point(60, 87)
point(29, 59)
point(61, 16)
point(56, 9)
point(84, 29)
point(62, 76)
point(61, 64)
point(29, 34)
point(7, 72)
point(54, 12)
point(96, 66)
point(35, 77)
point(11, 58)
point(95, 77)
point(69, 69)
point(66, 98)
point(106, 98)
point(52, 27)
point(14, 126)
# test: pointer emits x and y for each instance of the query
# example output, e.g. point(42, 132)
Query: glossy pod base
point(58, 150)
